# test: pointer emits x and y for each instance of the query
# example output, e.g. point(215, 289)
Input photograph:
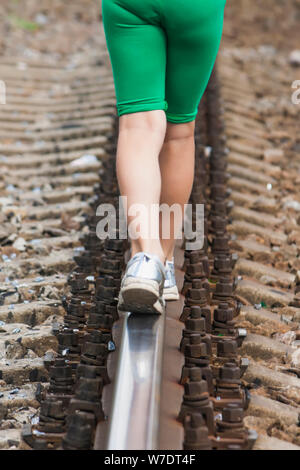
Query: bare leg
point(176, 160)
point(141, 136)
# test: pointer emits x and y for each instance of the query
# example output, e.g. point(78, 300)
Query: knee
point(151, 121)
point(181, 131)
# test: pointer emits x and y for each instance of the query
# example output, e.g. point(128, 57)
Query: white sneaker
point(142, 285)
point(170, 287)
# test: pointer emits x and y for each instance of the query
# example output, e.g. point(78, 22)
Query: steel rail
point(134, 422)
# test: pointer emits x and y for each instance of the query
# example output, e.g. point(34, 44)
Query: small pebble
point(79, 248)
point(35, 241)
point(38, 433)
point(35, 420)
point(10, 187)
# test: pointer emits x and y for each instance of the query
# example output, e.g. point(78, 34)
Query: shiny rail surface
point(134, 420)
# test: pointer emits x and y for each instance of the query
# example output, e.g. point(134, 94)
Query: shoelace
point(169, 269)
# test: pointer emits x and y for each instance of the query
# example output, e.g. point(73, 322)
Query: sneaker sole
point(171, 293)
point(141, 297)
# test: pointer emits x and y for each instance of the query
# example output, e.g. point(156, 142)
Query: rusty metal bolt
point(195, 312)
point(114, 245)
point(219, 208)
point(219, 177)
point(89, 389)
point(217, 163)
point(53, 408)
point(219, 191)
point(197, 294)
point(195, 270)
point(205, 312)
point(195, 389)
point(60, 370)
point(195, 324)
point(95, 349)
point(106, 281)
point(223, 263)
point(230, 371)
point(224, 287)
point(220, 244)
point(95, 337)
point(226, 347)
point(104, 322)
point(109, 265)
point(196, 284)
point(196, 433)
point(233, 413)
point(197, 420)
point(195, 350)
point(219, 224)
point(195, 374)
point(67, 338)
point(223, 313)
point(194, 257)
point(79, 433)
point(102, 307)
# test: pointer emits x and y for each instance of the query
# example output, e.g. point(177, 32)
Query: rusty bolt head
point(195, 374)
point(226, 347)
point(195, 388)
point(196, 284)
point(196, 312)
point(197, 420)
point(223, 313)
point(197, 324)
point(230, 371)
point(195, 350)
point(232, 413)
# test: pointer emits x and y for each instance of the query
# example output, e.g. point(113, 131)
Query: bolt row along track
point(59, 283)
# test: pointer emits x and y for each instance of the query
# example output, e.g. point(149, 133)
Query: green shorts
point(162, 53)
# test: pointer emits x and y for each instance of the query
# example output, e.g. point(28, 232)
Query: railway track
point(229, 374)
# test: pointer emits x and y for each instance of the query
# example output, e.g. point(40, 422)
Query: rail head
point(134, 421)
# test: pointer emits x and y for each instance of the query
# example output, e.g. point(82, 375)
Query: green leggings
point(162, 53)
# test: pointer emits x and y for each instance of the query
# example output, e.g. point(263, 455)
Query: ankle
point(153, 248)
